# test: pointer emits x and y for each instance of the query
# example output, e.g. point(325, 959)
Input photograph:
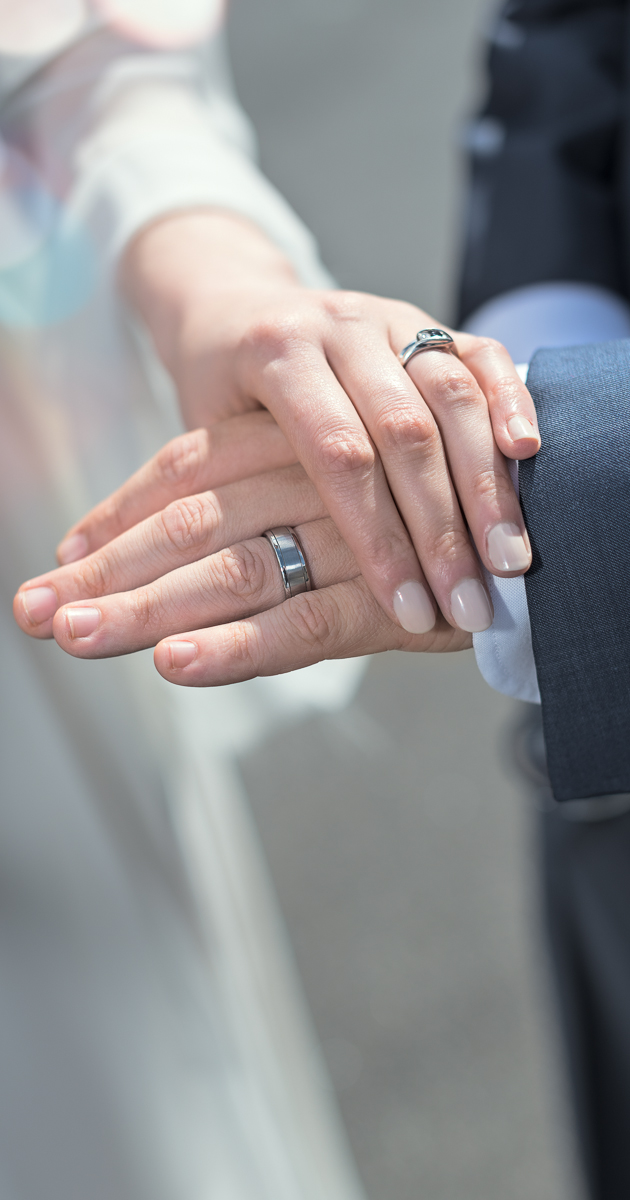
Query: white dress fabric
point(153, 1041)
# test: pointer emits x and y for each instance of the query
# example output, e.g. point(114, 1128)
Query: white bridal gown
point(153, 1042)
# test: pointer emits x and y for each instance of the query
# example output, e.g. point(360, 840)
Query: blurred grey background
point(402, 846)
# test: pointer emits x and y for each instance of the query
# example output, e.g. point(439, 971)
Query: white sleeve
point(124, 133)
point(549, 314)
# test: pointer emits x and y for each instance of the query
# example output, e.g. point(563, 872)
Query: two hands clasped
point(394, 478)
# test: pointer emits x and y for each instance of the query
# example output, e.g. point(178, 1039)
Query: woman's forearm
point(195, 257)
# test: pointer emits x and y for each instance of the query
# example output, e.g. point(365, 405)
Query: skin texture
point(199, 564)
point(307, 419)
point(405, 461)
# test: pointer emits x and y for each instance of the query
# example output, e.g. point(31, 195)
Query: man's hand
point(204, 458)
point(200, 564)
point(406, 462)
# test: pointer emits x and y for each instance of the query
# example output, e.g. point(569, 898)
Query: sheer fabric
point(153, 1036)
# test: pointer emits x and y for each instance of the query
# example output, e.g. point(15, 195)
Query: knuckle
point(246, 652)
point(407, 428)
point(242, 573)
point(508, 391)
point(179, 462)
point(449, 545)
point(182, 523)
point(344, 306)
point(451, 390)
point(485, 345)
point(95, 576)
point(314, 616)
point(145, 608)
point(343, 454)
point(392, 546)
point(273, 337)
point(490, 485)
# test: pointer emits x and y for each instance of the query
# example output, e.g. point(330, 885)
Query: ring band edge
point(291, 586)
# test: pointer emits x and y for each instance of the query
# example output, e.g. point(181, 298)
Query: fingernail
point(39, 603)
point(72, 549)
point(182, 653)
point(470, 606)
point(520, 427)
point(506, 548)
point(413, 607)
point(82, 622)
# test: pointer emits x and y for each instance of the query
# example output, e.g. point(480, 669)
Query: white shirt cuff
point(549, 314)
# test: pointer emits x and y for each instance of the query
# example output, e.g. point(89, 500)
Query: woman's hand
point(199, 564)
point(406, 462)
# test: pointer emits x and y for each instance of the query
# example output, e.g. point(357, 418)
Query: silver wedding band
point(291, 560)
point(428, 339)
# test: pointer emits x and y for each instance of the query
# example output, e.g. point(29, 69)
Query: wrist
point(193, 259)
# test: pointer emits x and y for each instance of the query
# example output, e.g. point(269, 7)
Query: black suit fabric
point(587, 911)
point(548, 194)
point(549, 201)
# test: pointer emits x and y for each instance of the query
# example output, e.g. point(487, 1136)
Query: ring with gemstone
point(428, 339)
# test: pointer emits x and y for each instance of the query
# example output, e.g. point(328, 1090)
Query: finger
point(185, 531)
point(227, 586)
point(205, 458)
point(341, 621)
point(512, 412)
point(411, 447)
point(478, 469)
point(329, 438)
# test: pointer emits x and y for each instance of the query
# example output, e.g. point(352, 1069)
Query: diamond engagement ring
point(428, 339)
point(291, 560)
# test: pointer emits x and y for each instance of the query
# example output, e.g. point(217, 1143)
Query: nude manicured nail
point(470, 606)
point(82, 622)
point(182, 653)
point(39, 604)
point(519, 428)
point(506, 548)
point(413, 607)
point(72, 549)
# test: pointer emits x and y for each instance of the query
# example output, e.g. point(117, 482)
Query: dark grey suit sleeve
point(545, 190)
point(575, 496)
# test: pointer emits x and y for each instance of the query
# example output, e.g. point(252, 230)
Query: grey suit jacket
point(549, 200)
